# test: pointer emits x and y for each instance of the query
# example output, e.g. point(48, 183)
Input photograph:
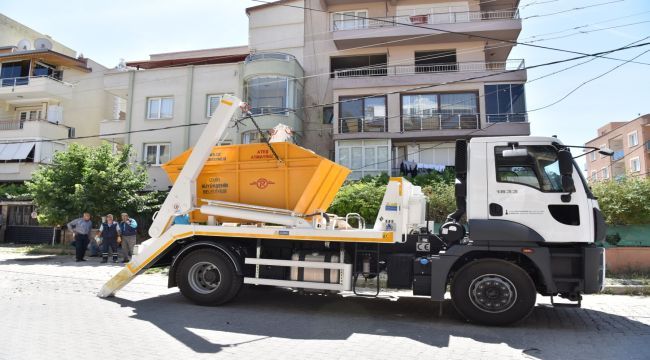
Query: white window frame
point(157, 145)
point(637, 161)
point(593, 155)
point(357, 22)
point(635, 137)
point(375, 166)
point(605, 172)
point(602, 146)
point(160, 101)
point(594, 175)
point(208, 106)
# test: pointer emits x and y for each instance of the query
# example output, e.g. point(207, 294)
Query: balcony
point(113, 129)
point(33, 87)
point(361, 125)
point(493, 71)
point(618, 155)
point(16, 129)
point(354, 32)
point(441, 122)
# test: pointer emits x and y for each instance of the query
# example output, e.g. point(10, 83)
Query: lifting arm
point(182, 197)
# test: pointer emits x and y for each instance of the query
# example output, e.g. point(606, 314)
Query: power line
point(438, 29)
point(570, 10)
point(588, 81)
point(352, 99)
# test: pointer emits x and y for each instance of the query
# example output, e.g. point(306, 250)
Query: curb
point(627, 290)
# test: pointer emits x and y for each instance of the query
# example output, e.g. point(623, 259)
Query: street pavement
point(48, 310)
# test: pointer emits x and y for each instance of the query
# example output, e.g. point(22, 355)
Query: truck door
point(525, 186)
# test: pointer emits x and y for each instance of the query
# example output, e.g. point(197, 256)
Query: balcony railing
point(424, 19)
point(357, 125)
point(25, 80)
point(441, 122)
point(11, 125)
point(269, 56)
point(507, 118)
point(395, 70)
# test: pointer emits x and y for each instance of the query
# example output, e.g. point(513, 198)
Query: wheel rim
point(492, 293)
point(204, 277)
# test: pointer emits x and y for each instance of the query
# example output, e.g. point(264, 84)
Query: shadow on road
point(281, 313)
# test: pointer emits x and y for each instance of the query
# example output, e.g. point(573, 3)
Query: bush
point(625, 201)
point(365, 195)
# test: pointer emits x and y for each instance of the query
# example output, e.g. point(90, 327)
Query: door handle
point(496, 209)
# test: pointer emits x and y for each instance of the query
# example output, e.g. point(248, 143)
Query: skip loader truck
point(258, 216)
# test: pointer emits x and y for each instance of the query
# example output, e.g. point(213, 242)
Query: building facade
point(630, 142)
point(369, 84)
point(404, 78)
point(49, 96)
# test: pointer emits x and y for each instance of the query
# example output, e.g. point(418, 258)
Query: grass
point(158, 270)
point(640, 278)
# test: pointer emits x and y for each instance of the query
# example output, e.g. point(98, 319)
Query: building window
point(160, 108)
point(352, 19)
point(29, 115)
point(440, 111)
point(605, 173)
point(592, 155)
point(359, 65)
point(273, 94)
point(364, 157)
point(435, 61)
point(363, 114)
point(633, 139)
point(635, 164)
point(212, 104)
point(594, 175)
point(252, 137)
point(505, 103)
point(603, 146)
point(539, 169)
point(328, 114)
point(156, 154)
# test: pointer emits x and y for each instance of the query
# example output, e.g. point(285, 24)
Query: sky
point(107, 31)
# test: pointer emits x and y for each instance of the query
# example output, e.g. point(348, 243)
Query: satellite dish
point(42, 44)
point(24, 44)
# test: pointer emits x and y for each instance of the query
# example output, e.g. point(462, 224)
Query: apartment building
point(631, 144)
point(165, 101)
point(428, 71)
point(48, 96)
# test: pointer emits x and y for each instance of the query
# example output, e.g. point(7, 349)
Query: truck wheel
point(206, 277)
point(493, 292)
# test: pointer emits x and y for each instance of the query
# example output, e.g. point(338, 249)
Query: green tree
point(89, 179)
point(441, 200)
point(625, 201)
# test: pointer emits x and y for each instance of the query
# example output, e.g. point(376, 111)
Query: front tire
point(493, 292)
point(207, 277)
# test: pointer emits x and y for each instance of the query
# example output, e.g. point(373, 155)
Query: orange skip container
point(302, 181)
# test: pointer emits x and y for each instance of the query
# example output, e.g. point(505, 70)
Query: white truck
point(531, 227)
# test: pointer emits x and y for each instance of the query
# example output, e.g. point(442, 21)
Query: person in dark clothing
point(110, 233)
point(81, 228)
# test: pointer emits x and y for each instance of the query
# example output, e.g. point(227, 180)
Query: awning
point(16, 151)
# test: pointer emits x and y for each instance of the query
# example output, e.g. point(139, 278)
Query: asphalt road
point(48, 310)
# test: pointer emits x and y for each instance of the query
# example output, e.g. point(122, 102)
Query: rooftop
point(48, 56)
point(193, 57)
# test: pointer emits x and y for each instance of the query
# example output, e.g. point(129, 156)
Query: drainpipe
point(188, 107)
point(129, 106)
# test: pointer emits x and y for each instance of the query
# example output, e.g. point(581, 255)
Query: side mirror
point(514, 153)
point(565, 161)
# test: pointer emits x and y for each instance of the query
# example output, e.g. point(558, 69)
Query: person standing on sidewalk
point(81, 228)
point(110, 233)
point(128, 228)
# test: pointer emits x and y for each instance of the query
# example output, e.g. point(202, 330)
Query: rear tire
point(207, 277)
point(493, 292)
